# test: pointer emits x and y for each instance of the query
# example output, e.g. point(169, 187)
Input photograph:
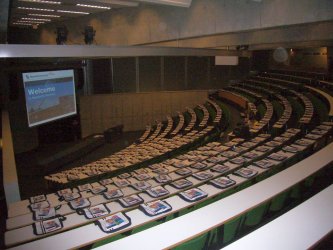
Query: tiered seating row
point(186, 160)
point(205, 118)
point(231, 164)
point(293, 78)
point(157, 131)
point(24, 231)
point(326, 96)
point(316, 75)
point(218, 116)
point(264, 122)
point(168, 127)
point(222, 211)
point(309, 111)
point(283, 120)
point(191, 124)
point(294, 229)
point(152, 147)
point(145, 134)
point(180, 124)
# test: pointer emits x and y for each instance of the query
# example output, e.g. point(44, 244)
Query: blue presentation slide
point(49, 95)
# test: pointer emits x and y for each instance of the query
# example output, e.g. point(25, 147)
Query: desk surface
point(178, 230)
point(300, 228)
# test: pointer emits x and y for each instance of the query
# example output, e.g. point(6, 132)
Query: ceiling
point(31, 13)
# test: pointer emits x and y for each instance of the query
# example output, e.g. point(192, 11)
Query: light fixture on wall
point(89, 34)
point(62, 33)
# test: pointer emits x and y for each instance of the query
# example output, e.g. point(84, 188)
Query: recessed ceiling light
point(42, 15)
point(41, 1)
point(27, 24)
point(29, 21)
point(28, 8)
point(93, 6)
point(36, 19)
point(73, 12)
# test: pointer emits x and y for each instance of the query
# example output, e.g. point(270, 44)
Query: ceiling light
point(36, 19)
point(27, 24)
point(29, 21)
point(40, 1)
point(73, 12)
point(42, 15)
point(27, 8)
point(93, 6)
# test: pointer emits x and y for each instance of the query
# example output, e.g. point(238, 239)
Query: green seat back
point(231, 229)
point(255, 216)
point(278, 202)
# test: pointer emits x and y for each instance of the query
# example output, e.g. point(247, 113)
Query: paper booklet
point(141, 185)
point(106, 182)
point(246, 172)
point(157, 191)
point(223, 182)
point(220, 168)
point(79, 203)
point(94, 212)
point(70, 196)
point(155, 208)
point(131, 200)
point(124, 175)
point(122, 183)
point(193, 194)
point(85, 187)
point(39, 205)
point(204, 175)
point(48, 226)
point(44, 213)
point(38, 198)
point(264, 163)
point(113, 194)
point(163, 178)
point(98, 189)
point(183, 171)
point(142, 177)
point(113, 222)
point(182, 183)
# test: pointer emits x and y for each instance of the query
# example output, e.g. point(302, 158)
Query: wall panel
point(134, 110)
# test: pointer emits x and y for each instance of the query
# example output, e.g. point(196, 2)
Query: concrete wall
point(312, 59)
point(134, 110)
point(152, 23)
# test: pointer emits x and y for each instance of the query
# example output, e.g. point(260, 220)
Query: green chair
point(309, 181)
point(278, 202)
point(198, 243)
point(296, 192)
point(230, 229)
point(255, 216)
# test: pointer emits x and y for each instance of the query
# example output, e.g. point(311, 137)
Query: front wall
point(133, 110)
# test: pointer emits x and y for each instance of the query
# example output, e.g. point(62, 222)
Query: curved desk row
point(178, 230)
point(299, 228)
point(326, 96)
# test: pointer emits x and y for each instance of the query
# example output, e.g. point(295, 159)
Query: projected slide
point(49, 95)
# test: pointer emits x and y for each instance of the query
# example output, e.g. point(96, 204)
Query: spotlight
point(89, 34)
point(62, 33)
